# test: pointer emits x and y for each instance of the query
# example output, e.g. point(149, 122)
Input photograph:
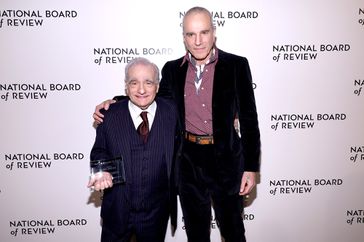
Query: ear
point(184, 38)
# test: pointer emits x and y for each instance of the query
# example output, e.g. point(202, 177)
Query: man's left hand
point(247, 183)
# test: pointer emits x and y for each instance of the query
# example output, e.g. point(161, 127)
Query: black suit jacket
point(232, 95)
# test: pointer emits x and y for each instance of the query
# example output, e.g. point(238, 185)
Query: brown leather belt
point(199, 139)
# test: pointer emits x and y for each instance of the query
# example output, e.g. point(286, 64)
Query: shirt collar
point(135, 110)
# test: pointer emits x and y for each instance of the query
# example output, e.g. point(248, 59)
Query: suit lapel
point(180, 89)
point(124, 133)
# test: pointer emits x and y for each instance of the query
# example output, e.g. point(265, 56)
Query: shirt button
point(205, 122)
point(202, 88)
point(203, 105)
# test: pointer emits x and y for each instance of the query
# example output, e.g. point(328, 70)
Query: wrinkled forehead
point(142, 72)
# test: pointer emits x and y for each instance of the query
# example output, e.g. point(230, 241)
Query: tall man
point(211, 89)
point(142, 205)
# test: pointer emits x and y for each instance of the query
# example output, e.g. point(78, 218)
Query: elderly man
point(140, 128)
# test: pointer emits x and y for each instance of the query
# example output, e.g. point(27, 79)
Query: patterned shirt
point(198, 94)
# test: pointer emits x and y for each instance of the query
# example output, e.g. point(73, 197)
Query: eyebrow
point(204, 30)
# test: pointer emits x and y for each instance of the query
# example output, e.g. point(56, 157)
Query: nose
point(198, 39)
point(141, 89)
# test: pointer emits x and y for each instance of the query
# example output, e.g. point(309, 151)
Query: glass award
point(114, 166)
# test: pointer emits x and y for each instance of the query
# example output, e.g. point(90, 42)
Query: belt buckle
point(199, 139)
point(204, 140)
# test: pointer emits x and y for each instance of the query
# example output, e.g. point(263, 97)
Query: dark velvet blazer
point(232, 95)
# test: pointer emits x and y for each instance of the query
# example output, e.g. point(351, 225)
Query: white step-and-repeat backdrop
point(59, 59)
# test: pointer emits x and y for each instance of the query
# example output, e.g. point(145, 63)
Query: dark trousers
point(199, 186)
point(144, 226)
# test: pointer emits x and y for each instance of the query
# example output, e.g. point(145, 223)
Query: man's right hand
point(98, 117)
point(100, 181)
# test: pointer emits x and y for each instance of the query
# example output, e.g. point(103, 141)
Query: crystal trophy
point(114, 166)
